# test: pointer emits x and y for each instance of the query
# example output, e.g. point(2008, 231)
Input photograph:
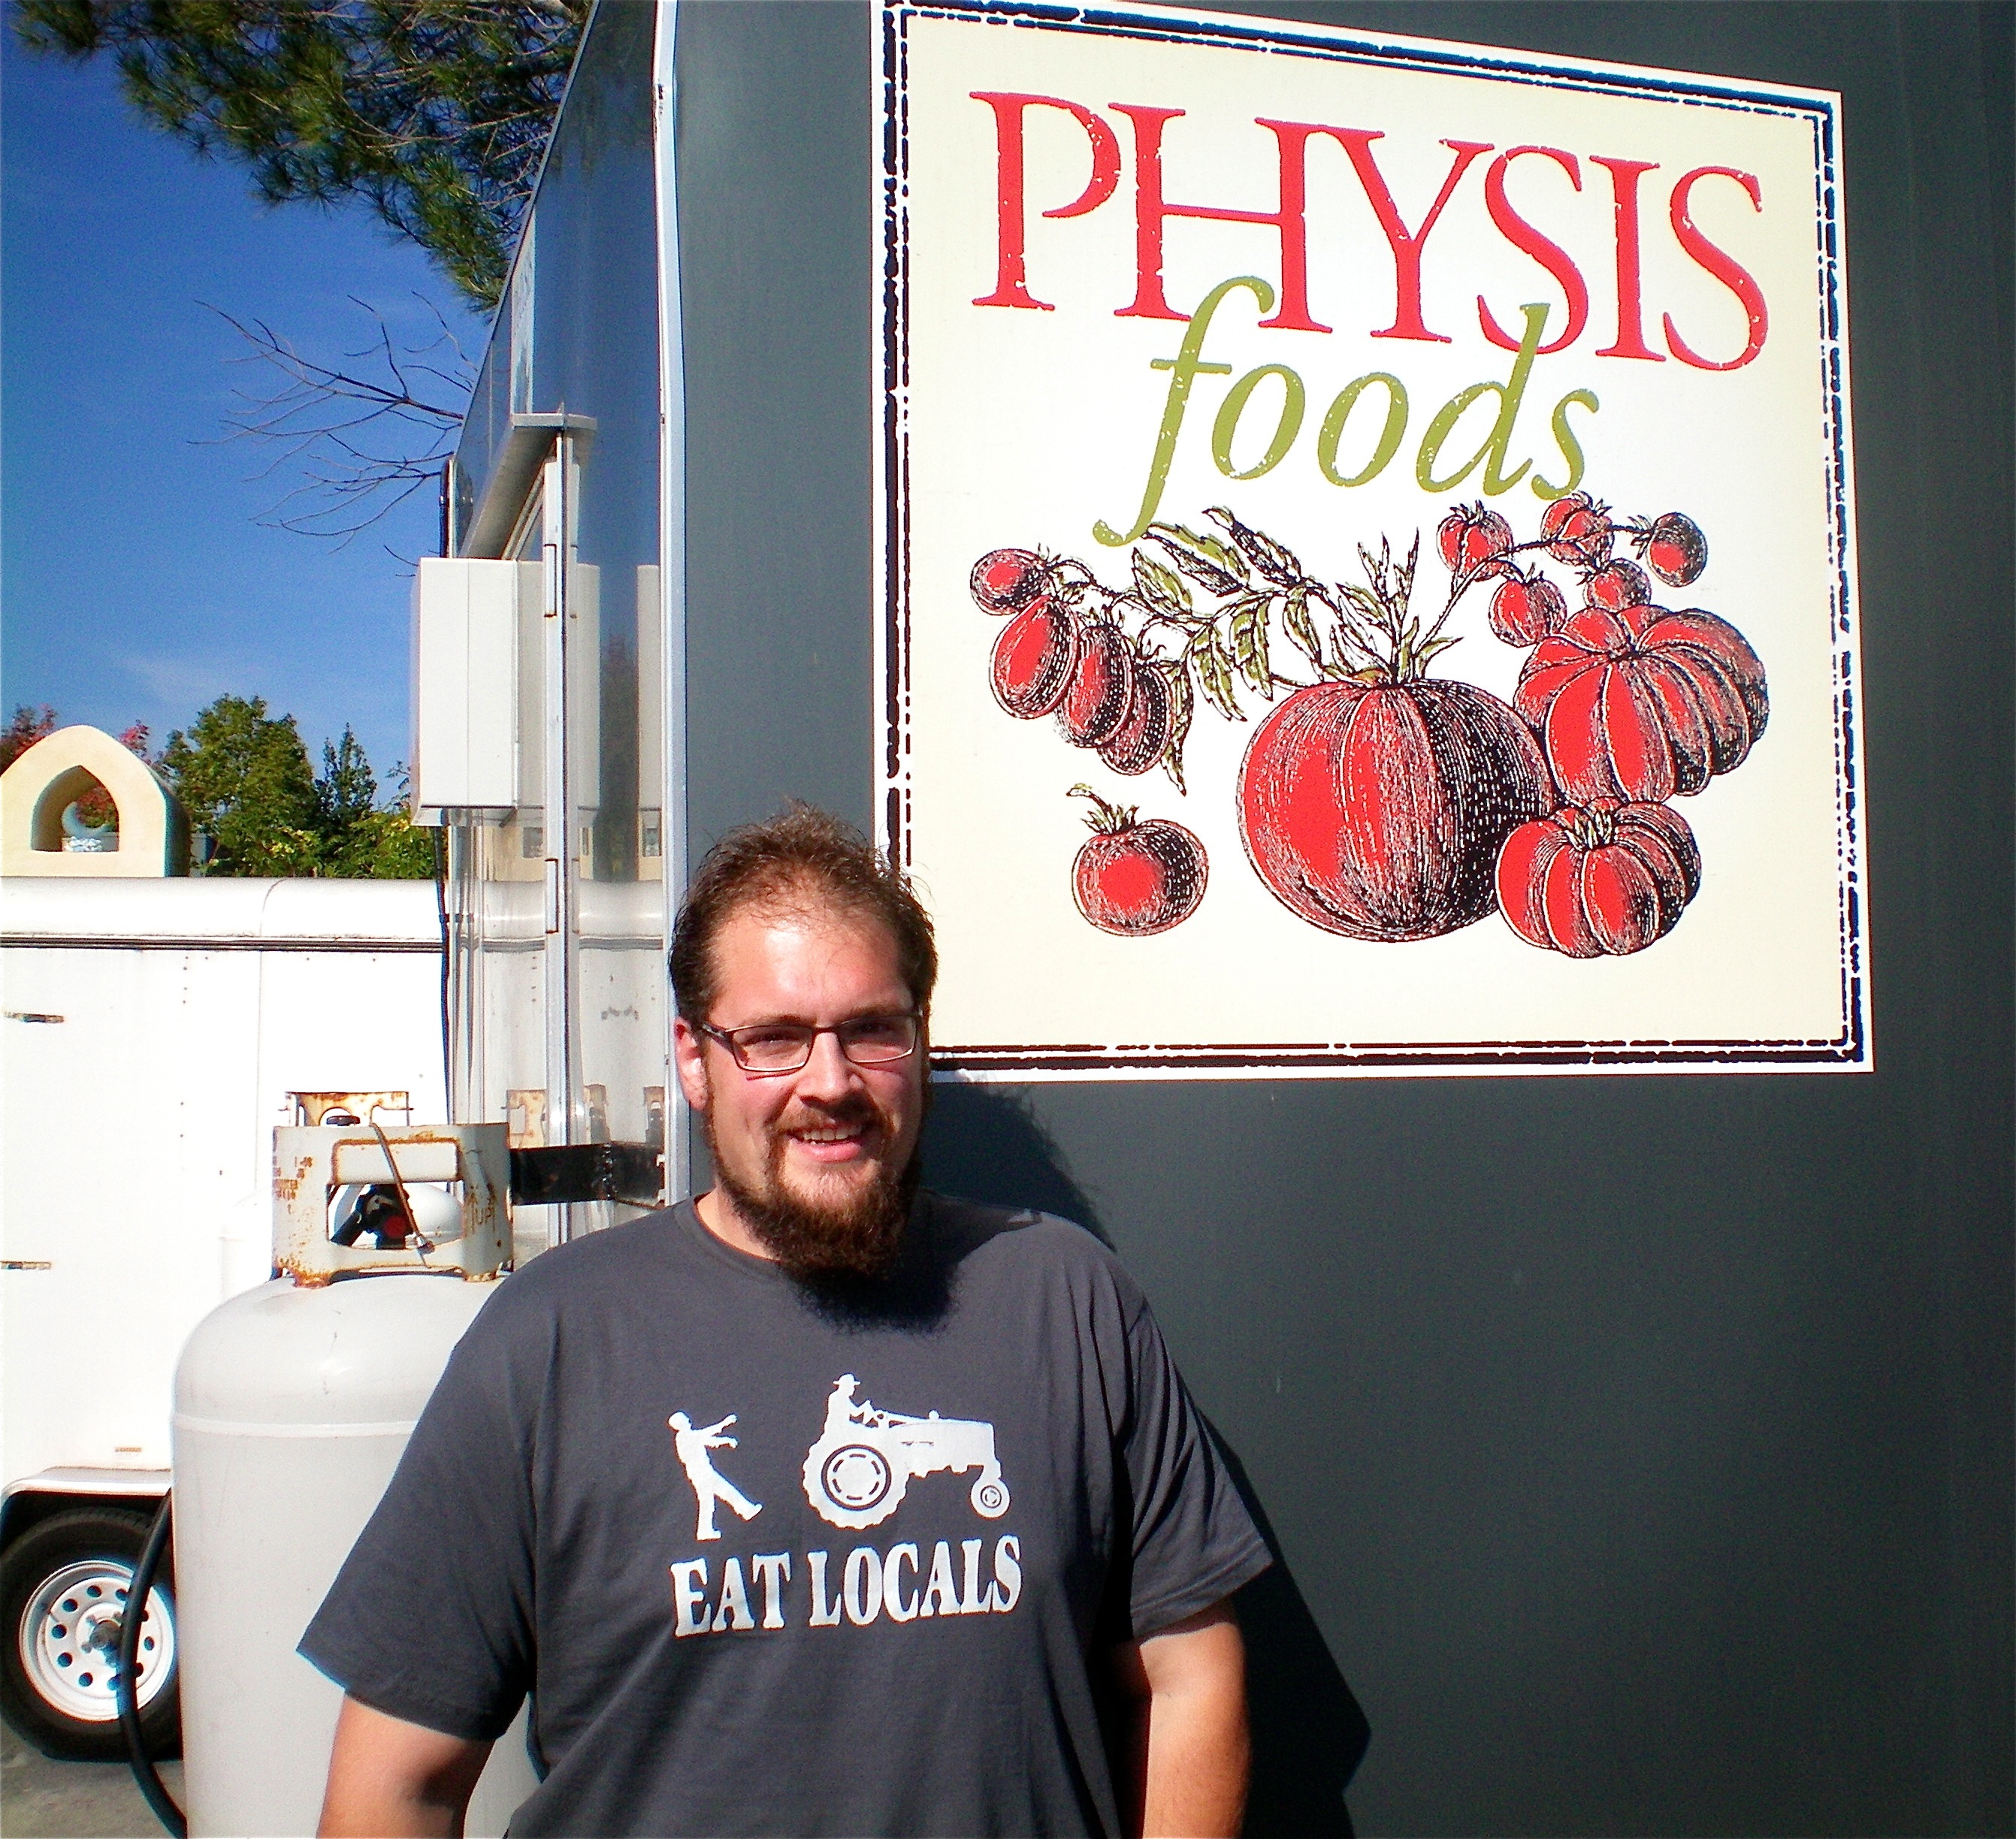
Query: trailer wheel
point(63, 1592)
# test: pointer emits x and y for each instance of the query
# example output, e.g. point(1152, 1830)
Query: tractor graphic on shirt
point(855, 1474)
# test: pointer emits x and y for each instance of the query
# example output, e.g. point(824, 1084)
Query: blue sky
point(137, 584)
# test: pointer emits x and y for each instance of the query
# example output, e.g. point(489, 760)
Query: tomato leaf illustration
point(1161, 588)
point(1249, 641)
point(1365, 601)
point(1207, 561)
point(1278, 564)
point(1213, 667)
point(1295, 622)
point(1404, 574)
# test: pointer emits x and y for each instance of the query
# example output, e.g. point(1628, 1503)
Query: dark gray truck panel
point(1638, 1449)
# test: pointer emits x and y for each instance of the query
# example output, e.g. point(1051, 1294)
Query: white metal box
point(465, 701)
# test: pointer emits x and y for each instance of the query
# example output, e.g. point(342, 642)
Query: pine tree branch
point(434, 112)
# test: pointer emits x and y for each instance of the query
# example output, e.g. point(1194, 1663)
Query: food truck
point(1602, 1284)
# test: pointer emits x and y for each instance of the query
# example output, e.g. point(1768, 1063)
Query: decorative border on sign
point(1849, 1050)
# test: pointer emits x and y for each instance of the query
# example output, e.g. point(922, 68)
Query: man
point(987, 1546)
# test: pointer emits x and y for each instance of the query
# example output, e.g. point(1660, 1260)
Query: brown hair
point(801, 856)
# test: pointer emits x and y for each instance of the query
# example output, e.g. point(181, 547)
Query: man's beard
point(859, 1237)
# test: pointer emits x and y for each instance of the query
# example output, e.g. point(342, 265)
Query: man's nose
point(829, 1074)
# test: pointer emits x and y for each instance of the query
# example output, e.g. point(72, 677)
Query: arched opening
point(75, 814)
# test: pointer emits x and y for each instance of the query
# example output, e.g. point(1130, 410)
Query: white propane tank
point(292, 1404)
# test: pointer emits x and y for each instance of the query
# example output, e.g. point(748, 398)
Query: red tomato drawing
point(1376, 810)
point(1101, 688)
point(1472, 540)
point(1616, 585)
point(1526, 607)
point(1133, 878)
point(1578, 530)
point(1034, 659)
point(1138, 741)
point(1005, 581)
point(1640, 703)
point(1674, 549)
point(1609, 877)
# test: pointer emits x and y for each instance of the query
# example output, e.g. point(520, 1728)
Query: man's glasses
point(784, 1047)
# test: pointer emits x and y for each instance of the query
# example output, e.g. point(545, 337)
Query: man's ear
point(690, 1055)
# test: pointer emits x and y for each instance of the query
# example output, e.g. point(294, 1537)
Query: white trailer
point(155, 1032)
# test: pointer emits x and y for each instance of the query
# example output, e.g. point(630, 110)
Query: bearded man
point(977, 1580)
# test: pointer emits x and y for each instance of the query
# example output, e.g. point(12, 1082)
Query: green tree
point(243, 777)
point(434, 112)
point(346, 789)
point(383, 845)
point(362, 837)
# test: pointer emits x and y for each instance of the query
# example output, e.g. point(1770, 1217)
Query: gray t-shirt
point(773, 1562)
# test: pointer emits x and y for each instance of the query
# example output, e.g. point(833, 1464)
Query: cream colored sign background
point(1022, 428)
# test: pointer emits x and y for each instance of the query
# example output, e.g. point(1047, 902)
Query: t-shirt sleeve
point(429, 1619)
point(1194, 1543)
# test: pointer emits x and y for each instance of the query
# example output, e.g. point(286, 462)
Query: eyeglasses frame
point(725, 1038)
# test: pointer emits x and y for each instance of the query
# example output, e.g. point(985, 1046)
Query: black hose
point(144, 1772)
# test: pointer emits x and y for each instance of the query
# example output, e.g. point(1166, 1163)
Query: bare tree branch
point(434, 113)
point(365, 432)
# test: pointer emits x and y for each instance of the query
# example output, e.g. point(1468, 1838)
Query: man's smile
point(832, 1143)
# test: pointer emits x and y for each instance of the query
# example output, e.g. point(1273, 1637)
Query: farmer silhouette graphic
point(708, 1485)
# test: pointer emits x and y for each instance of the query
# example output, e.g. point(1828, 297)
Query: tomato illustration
point(1642, 703)
point(1674, 549)
point(1134, 879)
point(1034, 659)
point(1376, 810)
point(1526, 607)
point(1101, 688)
point(1142, 737)
point(1616, 585)
point(1471, 539)
point(1577, 529)
point(1376, 802)
point(1608, 877)
point(1005, 581)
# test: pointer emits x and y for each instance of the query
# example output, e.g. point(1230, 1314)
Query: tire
point(62, 1584)
point(851, 1482)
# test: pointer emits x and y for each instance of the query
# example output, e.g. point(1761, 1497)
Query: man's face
point(815, 1162)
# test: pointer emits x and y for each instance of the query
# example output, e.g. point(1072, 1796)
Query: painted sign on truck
point(1367, 561)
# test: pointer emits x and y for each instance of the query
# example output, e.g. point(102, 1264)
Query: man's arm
point(391, 1779)
point(1190, 1749)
